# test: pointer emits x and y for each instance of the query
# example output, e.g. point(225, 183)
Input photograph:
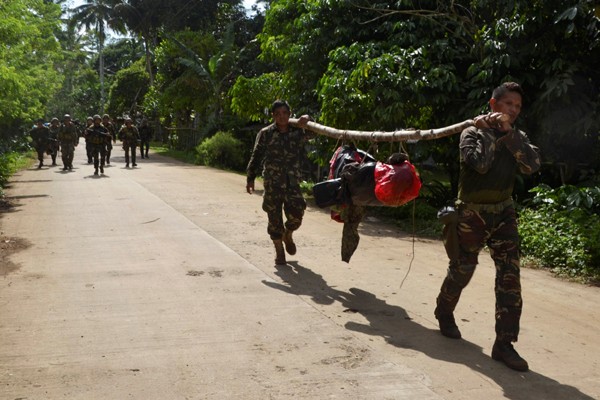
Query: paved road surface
point(158, 283)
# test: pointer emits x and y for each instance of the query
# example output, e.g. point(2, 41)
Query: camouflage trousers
point(98, 152)
point(291, 202)
point(499, 232)
point(67, 153)
point(352, 216)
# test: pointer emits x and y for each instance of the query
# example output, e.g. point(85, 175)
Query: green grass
point(181, 155)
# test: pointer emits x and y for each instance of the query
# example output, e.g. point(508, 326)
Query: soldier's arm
point(526, 154)
point(477, 149)
point(256, 158)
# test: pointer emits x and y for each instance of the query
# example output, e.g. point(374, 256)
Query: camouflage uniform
point(113, 136)
point(40, 136)
point(486, 216)
point(146, 134)
point(97, 136)
point(281, 156)
point(68, 138)
point(130, 136)
point(53, 145)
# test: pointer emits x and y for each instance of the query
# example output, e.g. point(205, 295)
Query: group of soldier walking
point(100, 134)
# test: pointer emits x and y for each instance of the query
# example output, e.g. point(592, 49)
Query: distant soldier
point(53, 145)
point(69, 138)
point(89, 122)
point(112, 131)
point(146, 133)
point(130, 136)
point(40, 135)
point(97, 136)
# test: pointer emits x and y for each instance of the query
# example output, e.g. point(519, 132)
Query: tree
point(128, 90)
point(387, 65)
point(29, 52)
point(98, 14)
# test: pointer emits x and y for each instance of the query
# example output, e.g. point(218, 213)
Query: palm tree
point(142, 19)
point(97, 15)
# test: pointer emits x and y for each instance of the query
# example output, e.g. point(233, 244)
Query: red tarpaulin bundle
point(396, 184)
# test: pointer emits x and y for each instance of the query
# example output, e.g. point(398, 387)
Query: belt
point(490, 208)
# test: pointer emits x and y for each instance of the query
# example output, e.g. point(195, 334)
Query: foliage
point(221, 150)
point(562, 230)
point(13, 156)
point(252, 97)
point(29, 52)
point(128, 90)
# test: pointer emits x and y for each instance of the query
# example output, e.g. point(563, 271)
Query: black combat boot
point(290, 246)
point(448, 326)
point(279, 253)
point(505, 352)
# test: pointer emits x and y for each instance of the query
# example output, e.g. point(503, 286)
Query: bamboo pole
point(379, 136)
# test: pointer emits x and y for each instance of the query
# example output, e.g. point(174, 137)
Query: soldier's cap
point(128, 119)
point(97, 117)
point(66, 116)
point(105, 116)
point(54, 119)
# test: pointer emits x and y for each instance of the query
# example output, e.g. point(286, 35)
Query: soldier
point(491, 154)
point(279, 149)
point(112, 130)
point(40, 135)
point(89, 122)
point(97, 135)
point(146, 133)
point(53, 145)
point(130, 136)
point(69, 138)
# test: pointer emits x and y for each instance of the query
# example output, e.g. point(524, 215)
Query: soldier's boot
point(505, 352)
point(290, 246)
point(96, 171)
point(447, 324)
point(102, 169)
point(279, 252)
point(40, 164)
point(54, 160)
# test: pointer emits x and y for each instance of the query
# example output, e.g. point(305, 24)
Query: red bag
point(396, 184)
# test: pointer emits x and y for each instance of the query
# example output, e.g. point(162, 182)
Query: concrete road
point(157, 282)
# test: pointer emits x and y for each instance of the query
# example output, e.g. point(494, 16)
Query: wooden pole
point(379, 136)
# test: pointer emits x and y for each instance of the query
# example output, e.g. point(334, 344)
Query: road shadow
point(393, 324)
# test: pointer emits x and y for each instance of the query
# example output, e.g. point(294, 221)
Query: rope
point(413, 243)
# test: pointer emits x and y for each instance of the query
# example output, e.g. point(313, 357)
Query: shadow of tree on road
point(397, 328)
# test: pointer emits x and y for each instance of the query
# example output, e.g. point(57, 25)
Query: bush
point(221, 150)
point(562, 230)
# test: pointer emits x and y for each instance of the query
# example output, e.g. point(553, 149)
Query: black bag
point(328, 193)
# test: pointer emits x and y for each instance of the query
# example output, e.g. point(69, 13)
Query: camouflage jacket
point(53, 131)
point(129, 136)
point(146, 132)
point(97, 135)
point(68, 134)
point(490, 161)
point(280, 155)
point(40, 137)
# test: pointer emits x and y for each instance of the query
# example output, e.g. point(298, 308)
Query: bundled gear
point(357, 180)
